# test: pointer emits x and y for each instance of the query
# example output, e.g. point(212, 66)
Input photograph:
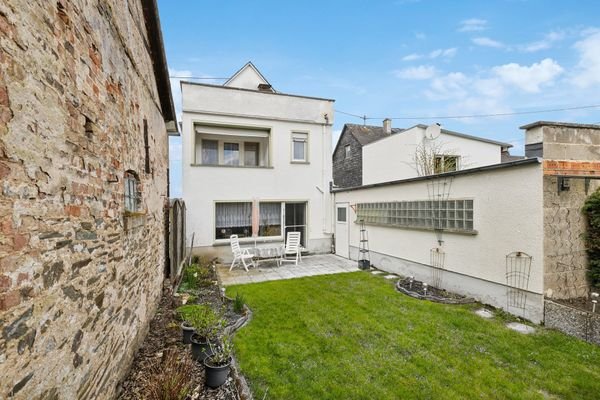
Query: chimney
point(387, 126)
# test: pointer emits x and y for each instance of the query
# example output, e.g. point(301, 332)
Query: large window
point(231, 153)
point(299, 147)
point(233, 219)
point(454, 215)
point(269, 219)
point(210, 152)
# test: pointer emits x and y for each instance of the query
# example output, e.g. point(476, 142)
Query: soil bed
point(416, 290)
point(165, 336)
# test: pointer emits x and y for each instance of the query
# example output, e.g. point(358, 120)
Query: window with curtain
point(233, 219)
point(299, 146)
point(132, 192)
point(210, 152)
point(231, 153)
point(269, 219)
point(251, 154)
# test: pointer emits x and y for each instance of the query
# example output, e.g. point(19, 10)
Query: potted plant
point(218, 364)
point(206, 324)
point(185, 313)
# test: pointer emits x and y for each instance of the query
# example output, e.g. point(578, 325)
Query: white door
point(342, 247)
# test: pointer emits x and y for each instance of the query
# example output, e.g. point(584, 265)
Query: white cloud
point(449, 86)
point(472, 25)
point(487, 42)
point(529, 78)
point(422, 72)
point(546, 43)
point(412, 57)
point(451, 52)
point(588, 69)
point(437, 53)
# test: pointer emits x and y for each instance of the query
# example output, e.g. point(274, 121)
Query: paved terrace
point(269, 271)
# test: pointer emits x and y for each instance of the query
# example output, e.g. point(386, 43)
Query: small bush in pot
point(207, 325)
point(186, 313)
point(218, 364)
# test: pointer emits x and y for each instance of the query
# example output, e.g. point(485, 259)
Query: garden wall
point(572, 321)
point(79, 278)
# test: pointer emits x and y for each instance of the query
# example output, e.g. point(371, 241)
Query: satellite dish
point(433, 131)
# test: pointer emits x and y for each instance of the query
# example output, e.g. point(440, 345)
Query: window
point(299, 146)
point(132, 194)
point(456, 215)
point(233, 219)
point(269, 219)
point(341, 214)
point(347, 151)
point(231, 153)
point(251, 156)
point(210, 152)
point(445, 163)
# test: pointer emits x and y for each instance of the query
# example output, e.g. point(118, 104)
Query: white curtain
point(232, 215)
point(270, 214)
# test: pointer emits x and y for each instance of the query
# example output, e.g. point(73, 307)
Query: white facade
point(263, 150)
point(506, 217)
point(393, 158)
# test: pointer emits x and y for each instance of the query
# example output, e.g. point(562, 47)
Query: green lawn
point(352, 336)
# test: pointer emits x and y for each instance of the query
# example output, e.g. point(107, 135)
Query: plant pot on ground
point(364, 264)
point(218, 364)
point(187, 330)
point(201, 347)
point(206, 324)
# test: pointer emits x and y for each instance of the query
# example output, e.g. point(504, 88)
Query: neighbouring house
point(467, 228)
point(85, 106)
point(348, 155)
point(256, 163)
point(370, 154)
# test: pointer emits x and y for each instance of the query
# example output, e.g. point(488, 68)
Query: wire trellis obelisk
point(518, 270)
point(437, 258)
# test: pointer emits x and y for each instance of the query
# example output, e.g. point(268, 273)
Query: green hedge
point(591, 209)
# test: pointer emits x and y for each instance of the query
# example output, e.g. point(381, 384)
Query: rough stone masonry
point(80, 278)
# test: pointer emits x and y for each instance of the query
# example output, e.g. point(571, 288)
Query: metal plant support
point(518, 270)
point(364, 256)
point(438, 191)
point(437, 260)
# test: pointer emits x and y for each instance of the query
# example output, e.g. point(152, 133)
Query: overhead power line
point(197, 77)
point(365, 117)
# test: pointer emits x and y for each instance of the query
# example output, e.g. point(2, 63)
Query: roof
point(465, 136)
point(251, 66)
point(365, 134)
point(159, 61)
point(253, 91)
point(517, 163)
point(565, 124)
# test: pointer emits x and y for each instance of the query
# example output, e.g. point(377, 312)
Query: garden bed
point(416, 289)
point(163, 349)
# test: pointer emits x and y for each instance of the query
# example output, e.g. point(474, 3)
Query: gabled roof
point(465, 136)
point(365, 134)
point(249, 68)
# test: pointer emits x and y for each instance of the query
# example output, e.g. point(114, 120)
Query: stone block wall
point(347, 172)
point(79, 278)
point(581, 324)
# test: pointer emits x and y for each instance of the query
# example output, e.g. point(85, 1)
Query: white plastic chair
point(239, 254)
point(292, 248)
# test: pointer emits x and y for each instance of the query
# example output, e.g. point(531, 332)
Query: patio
point(269, 271)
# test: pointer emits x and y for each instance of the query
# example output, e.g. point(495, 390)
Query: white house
point(404, 154)
point(256, 163)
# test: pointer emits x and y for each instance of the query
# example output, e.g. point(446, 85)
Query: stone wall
point(581, 324)
point(347, 172)
point(79, 278)
point(570, 153)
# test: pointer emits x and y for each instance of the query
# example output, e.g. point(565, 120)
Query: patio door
point(295, 220)
point(342, 245)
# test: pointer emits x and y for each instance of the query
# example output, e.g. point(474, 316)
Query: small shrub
point(195, 276)
point(222, 353)
point(238, 303)
point(204, 319)
point(591, 209)
point(171, 377)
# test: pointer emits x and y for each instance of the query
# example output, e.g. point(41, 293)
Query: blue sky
point(400, 58)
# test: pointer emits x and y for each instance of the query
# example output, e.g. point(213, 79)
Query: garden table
point(266, 251)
